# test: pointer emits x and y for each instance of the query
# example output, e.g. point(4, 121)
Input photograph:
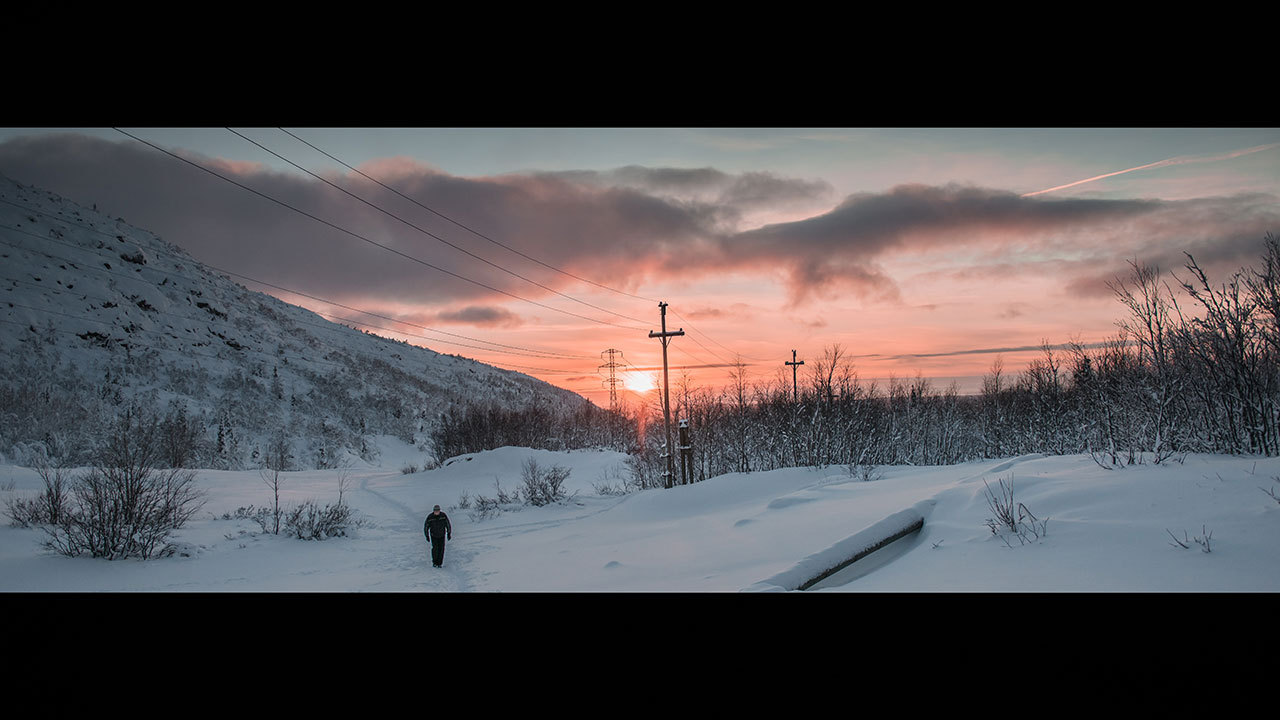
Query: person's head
point(436, 510)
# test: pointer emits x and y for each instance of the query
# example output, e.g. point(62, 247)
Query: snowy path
point(496, 534)
point(407, 550)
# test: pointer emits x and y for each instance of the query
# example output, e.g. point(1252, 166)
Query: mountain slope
point(96, 314)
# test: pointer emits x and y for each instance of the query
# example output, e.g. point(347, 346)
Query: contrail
point(1161, 163)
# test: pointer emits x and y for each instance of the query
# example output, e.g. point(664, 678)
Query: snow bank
point(840, 555)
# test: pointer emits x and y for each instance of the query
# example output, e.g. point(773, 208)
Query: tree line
point(1194, 367)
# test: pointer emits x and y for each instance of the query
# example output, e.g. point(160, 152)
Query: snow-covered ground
point(768, 531)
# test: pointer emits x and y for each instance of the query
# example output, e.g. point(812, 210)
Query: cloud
point(731, 195)
point(815, 324)
point(614, 233)
point(623, 227)
point(841, 250)
point(481, 316)
point(735, 311)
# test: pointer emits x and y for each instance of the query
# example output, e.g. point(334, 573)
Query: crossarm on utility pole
point(794, 365)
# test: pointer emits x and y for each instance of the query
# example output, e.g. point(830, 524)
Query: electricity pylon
point(612, 382)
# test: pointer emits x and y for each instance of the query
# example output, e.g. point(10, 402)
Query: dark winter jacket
point(437, 526)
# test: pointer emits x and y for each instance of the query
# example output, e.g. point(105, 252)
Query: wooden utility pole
point(665, 337)
point(795, 391)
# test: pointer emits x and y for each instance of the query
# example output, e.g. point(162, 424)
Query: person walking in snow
point(437, 529)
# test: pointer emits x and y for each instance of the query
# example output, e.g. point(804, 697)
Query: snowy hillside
point(95, 313)
point(1104, 530)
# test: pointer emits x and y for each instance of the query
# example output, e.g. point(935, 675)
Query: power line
point(430, 234)
point(473, 231)
point(358, 236)
point(267, 284)
point(542, 354)
point(185, 352)
point(239, 348)
point(691, 327)
point(367, 240)
point(209, 324)
point(481, 235)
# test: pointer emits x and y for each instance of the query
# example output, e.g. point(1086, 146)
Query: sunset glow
point(638, 382)
point(913, 250)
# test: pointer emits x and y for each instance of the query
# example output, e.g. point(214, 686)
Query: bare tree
point(276, 459)
point(1149, 325)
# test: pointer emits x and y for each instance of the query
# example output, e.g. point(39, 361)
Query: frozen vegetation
point(1104, 530)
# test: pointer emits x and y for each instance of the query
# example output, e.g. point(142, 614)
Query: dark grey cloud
point(759, 189)
point(481, 316)
point(731, 195)
point(678, 180)
point(873, 222)
point(838, 250)
point(815, 324)
point(1219, 246)
point(611, 233)
point(1011, 311)
point(621, 228)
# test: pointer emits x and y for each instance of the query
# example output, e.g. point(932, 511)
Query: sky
point(916, 250)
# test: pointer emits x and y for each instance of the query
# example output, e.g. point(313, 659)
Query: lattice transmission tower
point(612, 382)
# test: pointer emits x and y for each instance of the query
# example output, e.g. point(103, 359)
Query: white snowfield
point(1106, 530)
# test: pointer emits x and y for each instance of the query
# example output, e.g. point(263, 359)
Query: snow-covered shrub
point(612, 482)
point(1202, 540)
point(310, 521)
point(28, 454)
point(543, 486)
point(863, 472)
point(646, 468)
point(125, 505)
point(482, 507)
point(605, 488)
point(48, 507)
point(261, 515)
point(1272, 491)
point(1012, 517)
point(24, 512)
